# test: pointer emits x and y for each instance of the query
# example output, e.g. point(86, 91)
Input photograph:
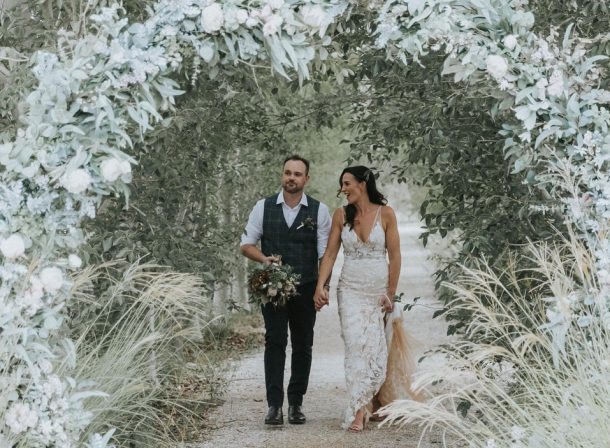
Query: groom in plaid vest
point(296, 227)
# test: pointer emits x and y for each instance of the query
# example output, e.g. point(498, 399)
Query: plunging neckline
point(372, 228)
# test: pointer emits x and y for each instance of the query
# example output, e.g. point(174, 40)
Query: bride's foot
point(358, 423)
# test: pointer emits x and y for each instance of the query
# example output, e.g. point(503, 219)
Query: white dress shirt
point(254, 228)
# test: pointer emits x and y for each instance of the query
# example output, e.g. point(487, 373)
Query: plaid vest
point(297, 246)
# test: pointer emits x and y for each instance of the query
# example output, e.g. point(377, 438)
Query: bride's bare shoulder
point(387, 216)
point(339, 215)
point(387, 211)
point(339, 212)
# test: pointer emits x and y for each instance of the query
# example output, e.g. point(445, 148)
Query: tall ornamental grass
point(136, 327)
point(542, 379)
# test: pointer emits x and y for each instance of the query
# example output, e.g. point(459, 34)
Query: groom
point(296, 227)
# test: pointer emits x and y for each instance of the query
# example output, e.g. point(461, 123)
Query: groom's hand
point(271, 259)
point(320, 298)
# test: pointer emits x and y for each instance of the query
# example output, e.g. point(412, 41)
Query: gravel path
point(239, 421)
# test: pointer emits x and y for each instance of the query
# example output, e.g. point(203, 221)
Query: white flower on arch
point(20, 417)
point(76, 181)
point(13, 246)
point(212, 18)
point(272, 25)
point(112, 169)
point(496, 66)
point(52, 279)
point(313, 16)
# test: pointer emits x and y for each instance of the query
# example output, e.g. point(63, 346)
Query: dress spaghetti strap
point(377, 216)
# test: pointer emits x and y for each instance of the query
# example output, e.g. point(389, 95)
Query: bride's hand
point(386, 303)
point(320, 298)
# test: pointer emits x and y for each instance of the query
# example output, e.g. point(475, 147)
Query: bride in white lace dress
point(368, 230)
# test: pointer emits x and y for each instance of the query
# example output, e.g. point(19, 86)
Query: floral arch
point(96, 94)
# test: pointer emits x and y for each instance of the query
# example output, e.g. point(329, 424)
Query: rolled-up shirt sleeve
point(254, 228)
point(324, 224)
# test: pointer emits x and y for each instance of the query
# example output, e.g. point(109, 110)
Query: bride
point(367, 228)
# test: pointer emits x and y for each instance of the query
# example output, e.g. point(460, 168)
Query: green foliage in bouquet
point(275, 283)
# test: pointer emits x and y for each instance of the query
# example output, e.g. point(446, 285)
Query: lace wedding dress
point(362, 283)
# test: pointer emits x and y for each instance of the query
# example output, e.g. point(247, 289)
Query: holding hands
point(321, 297)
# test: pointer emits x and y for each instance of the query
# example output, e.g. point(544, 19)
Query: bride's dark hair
point(362, 174)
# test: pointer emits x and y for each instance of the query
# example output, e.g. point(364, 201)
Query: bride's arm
point(393, 245)
point(328, 259)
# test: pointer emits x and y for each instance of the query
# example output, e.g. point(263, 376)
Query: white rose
point(313, 15)
point(74, 261)
point(212, 18)
point(510, 41)
point(114, 168)
point(252, 21)
point(19, 417)
point(266, 12)
point(111, 169)
point(231, 23)
point(496, 66)
point(275, 4)
point(125, 171)
point(13, 246)
point(52, 279)
point(76, 181)
point(241, 15)
point(555, 87)
point(272, 25)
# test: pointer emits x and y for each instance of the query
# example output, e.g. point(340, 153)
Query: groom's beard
point(292, 188)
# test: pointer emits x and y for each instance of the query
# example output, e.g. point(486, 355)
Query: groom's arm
point(254, 253)
point(252, 235)
point(324, 226)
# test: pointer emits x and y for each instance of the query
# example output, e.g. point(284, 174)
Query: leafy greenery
point(490, 184)
point(423, 129)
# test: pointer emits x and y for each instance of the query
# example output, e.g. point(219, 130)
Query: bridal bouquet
point(275, 283)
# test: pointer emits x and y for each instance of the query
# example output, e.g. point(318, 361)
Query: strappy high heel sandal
point(359, 427)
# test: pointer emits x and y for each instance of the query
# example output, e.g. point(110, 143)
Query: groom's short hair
point(298, 158)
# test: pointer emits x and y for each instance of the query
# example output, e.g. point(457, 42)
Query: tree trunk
point(240, 291)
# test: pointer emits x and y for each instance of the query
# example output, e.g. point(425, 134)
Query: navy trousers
point(300, 316)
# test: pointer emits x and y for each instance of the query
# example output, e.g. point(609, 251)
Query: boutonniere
point(308, 223)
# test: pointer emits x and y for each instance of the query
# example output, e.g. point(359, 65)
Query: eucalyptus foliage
point(108, 85)
point(550, 83)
